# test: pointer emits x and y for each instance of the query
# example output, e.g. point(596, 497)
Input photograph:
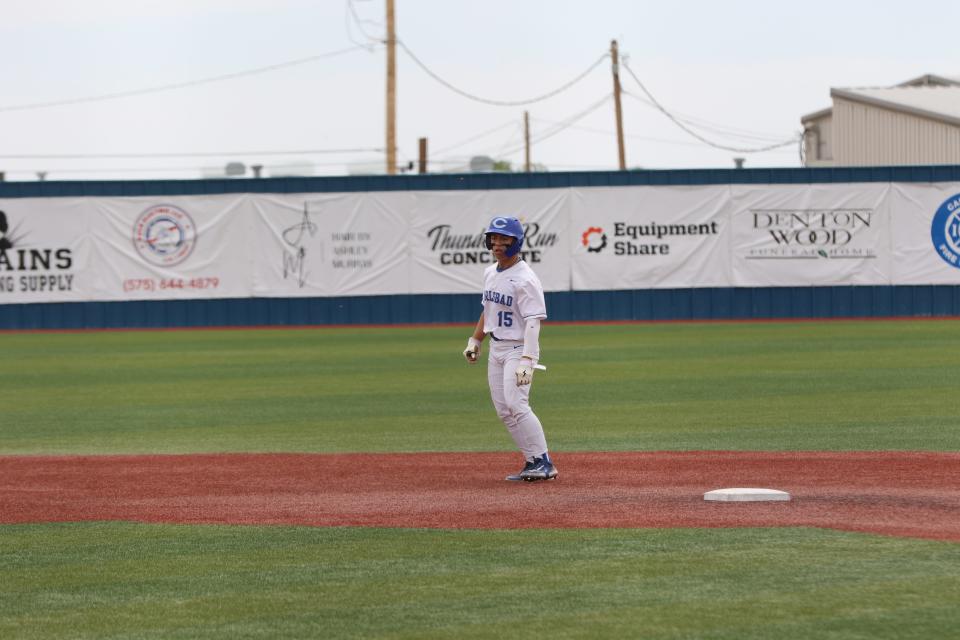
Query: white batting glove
point(525, 372)
point(472, 352)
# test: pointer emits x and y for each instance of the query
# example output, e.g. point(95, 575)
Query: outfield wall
point(647, 245)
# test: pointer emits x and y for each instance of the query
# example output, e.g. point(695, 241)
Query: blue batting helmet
point(506, 227)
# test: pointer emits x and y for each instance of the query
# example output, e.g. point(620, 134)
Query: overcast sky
point(263, 81)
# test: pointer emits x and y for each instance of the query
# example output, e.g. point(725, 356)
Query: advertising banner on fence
point(804, 235)
point(650, 237)
point(45, 249)
point(171, 248)
point(926, 229)
point(447, 237)
point(340, 244)
point(432, 242)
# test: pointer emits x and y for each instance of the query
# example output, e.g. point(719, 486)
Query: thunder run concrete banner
point(650, 237)
point(447, 237)
point(338, 244)
point(811, 235)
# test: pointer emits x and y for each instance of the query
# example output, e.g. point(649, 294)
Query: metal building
point(916, 122)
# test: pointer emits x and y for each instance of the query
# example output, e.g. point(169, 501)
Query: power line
point(610, 134)
point(352, 12)
point(151, 169)
point(795, 140)
point(500, 103)
point(693, 121)
point(188, 154)
point(551, 132)
point(565, 124)
point(517, 132)
point(511, 123)
point(178, 85)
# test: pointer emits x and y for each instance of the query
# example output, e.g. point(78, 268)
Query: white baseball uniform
point(510, 298)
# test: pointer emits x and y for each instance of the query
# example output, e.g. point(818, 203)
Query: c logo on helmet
point(499, 223)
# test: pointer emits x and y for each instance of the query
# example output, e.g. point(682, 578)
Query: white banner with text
point(432, 242)
point(810, 235)
point(650, 237)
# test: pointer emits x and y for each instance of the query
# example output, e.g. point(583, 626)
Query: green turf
point(101, 580)
point(778, 386)
point(781, 386)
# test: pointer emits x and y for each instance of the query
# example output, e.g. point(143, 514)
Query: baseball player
point(513, 306)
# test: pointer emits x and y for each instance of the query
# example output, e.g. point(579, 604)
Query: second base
point(746, 495)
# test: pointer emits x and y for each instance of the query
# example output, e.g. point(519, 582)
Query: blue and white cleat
point(541, 469)
point(518, 476)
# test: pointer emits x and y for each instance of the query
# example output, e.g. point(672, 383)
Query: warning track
point(914, 494)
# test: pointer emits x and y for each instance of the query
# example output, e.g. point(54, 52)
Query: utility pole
point(615, 57)
point(423, 156)
point(526, 141)
point(391, 91)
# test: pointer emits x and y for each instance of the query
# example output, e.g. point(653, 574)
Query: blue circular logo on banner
point(945, 231)
point(164, 235)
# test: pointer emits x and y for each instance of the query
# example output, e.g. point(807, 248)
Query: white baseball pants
point(511, 401)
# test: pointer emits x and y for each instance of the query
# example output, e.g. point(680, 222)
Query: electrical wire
point(679, 123)
point(500, 103)
point(509, 142)
point(188, 154)
point(564, 124)
point(352, 12)
point(700, 123)
point(632, 136)
point(128, 169)
point(511, 123)
point(178, 85)
point(610, 134)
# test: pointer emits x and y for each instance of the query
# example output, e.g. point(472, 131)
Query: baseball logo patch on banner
point(164, 235)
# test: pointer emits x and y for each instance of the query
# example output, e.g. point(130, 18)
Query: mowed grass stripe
point(871, 385)
point(98, 580)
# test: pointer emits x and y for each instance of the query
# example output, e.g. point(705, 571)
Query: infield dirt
point(913, 494)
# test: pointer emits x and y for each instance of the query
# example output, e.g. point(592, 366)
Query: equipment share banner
point(650, 237)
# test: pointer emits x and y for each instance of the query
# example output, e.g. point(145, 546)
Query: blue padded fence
point(646, 304)
point(575, 306)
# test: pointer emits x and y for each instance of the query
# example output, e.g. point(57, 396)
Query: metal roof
point(929, 96)
point(931, 79)
point(935, 102)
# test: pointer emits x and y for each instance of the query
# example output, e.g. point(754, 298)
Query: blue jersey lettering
point(499, 298)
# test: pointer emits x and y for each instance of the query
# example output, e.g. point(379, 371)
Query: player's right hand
point(472, 352)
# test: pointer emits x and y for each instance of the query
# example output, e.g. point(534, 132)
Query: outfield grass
point(764, 386)
point(752, 386)
point(147, 581)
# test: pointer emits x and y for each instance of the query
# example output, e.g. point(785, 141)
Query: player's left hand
point(525, 372)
